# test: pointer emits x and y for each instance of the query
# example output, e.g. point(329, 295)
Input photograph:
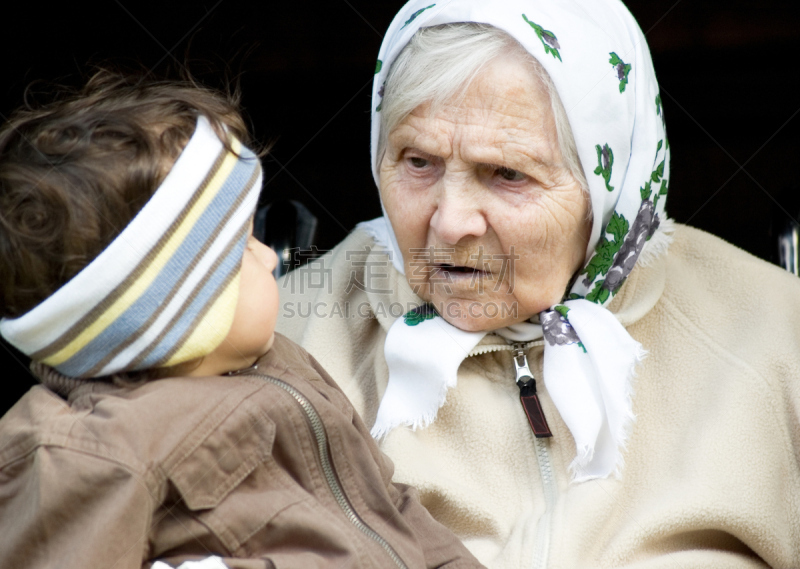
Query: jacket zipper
point(541, 445)
point(542, 550)
point(530, 402)
point(527, 394)
point(324, 455)
point(480, 350)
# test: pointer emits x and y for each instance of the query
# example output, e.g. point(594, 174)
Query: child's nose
point(269, 257)
point(272, 258)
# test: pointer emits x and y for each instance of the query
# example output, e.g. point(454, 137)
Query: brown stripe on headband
point(189, 267)
point(68, 336)
point(200, 315)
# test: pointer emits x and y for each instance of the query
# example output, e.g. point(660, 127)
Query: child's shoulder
point(173, 425)
point(286, 357)
point(135, 426)
point(288, 361)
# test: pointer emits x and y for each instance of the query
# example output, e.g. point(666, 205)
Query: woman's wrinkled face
point(491, 224)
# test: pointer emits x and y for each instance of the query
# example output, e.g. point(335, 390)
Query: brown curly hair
point(74, 172)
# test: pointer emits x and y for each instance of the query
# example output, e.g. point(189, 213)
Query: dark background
point(729, 74)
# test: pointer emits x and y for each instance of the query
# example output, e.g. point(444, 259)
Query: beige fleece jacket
point(711, 476)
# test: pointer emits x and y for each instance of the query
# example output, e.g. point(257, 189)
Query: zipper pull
point(244, 371)
point(528, 396)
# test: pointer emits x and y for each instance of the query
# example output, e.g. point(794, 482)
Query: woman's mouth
point(449, 273)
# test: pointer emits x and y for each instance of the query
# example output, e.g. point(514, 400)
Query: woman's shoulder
point(741, 308)
point(705, 267)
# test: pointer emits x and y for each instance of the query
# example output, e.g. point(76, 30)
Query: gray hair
point(440, 63)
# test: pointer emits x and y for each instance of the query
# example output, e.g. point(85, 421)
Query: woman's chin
point(473, 316)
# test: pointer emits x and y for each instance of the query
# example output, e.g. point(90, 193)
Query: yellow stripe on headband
point(212, 329)
point(142, 283)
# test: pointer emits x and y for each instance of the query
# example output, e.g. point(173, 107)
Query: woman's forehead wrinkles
point(431, 135)
point(521, 145)
point(527, 154)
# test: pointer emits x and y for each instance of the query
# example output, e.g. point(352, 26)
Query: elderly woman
point(568, 378)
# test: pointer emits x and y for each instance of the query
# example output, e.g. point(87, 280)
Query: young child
point(172, 423)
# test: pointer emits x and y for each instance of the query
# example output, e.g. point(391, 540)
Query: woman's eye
point(510, 175)
point(418, 162)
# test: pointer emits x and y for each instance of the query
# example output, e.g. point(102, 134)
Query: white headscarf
point(600, 64)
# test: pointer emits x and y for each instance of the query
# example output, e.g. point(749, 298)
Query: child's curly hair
point(76, 171)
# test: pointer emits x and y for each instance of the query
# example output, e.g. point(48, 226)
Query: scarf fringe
point(585, 453)
point(623, 433)
point(381, 428)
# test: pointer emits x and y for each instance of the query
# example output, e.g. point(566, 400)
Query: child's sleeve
point(64, 508)
point(440, 546)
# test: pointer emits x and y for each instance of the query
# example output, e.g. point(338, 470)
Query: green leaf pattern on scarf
point(641, 231)
point(655, 177)
point(621, 68)
point(660, 112)
point(605, 162)
point(417, 13)
point(615, 258)
point(548, 39)
point(603, 258)
point(419, 314)
point(661, 192)
point(380, 94)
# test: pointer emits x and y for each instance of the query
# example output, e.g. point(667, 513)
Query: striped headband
point(165, 290)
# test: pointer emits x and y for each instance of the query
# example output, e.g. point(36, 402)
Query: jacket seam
point(45, 444)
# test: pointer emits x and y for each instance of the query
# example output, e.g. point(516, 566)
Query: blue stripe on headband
point(170, 276)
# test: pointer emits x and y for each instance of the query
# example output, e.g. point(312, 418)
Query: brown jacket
point(184, 468)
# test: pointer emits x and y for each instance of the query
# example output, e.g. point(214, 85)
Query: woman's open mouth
point(448, 273)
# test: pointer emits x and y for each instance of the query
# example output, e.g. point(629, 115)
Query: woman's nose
point(457, 216)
